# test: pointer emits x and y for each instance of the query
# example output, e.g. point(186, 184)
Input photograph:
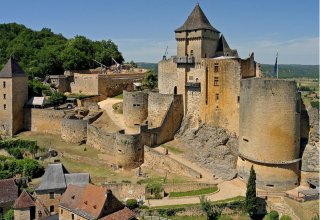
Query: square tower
point(196, 38)
point(13, 96)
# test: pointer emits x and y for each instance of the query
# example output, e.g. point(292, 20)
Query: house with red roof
point(92, 202)
point(9, 192)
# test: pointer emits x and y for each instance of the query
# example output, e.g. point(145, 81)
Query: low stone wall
point(74, 130)
point(184, 187)
point(127, 190)
point(88, 101)
point(153, 158)
point(43, 120)
point(100, 140)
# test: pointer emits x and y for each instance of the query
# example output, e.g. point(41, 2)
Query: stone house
point(24, 207)
point(92, 202)
point(53, 184)
point(9, 192)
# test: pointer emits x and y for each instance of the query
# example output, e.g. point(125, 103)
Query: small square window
point(4, 106)
point(216, 81)
point(4, 96)
point(217, 97)
point(216, 67)
point(51, 194)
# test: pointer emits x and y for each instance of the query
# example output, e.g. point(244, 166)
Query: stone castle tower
point(13, 96)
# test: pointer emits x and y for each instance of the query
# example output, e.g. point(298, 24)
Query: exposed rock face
point(310, 155)
point(213, 148)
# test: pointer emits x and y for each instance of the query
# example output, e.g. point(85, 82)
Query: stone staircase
point(278, 204)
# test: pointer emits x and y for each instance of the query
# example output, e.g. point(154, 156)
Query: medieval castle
point(206, 83)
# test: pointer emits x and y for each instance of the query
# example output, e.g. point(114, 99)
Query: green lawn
point(194, 192)
point(172, 149)
point(120, 96)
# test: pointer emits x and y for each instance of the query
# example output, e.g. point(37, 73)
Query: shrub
point(273, 215)
point(155, 189)
point(161, 212)
point(9, 215)
point(315, 104)
point(57, 98)
point(132, 203)
point(170, 212)
point(285, 217)
point(15, 152)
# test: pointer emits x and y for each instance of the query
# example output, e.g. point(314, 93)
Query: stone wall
point(268, 140)
point(44, 202)
point(167, 76)
point(85, 84)
point(74, 130)
point(22, 214)
point(43, 120)
point(153, 159)
point(135, 107)
point(6, 127)
point(129, 150)
point(100, 140)
point(127, 190)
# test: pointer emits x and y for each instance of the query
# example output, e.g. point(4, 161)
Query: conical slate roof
point(24, 201)
point(222, 44)
point(11, 69)
point(197, 20)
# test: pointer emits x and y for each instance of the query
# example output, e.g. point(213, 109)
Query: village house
point(53, 184)
point(92, 202)
point(8, 194)
point(24, 207)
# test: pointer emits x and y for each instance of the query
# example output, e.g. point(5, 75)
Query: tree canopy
point(43, 52)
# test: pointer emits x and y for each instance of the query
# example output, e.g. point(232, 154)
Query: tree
point(57, 98)
point(211, 211)
point(273, 215)
point(251, 194)
point(150, 80)
point(9, 215)
point(132, 203)
point(285, 217)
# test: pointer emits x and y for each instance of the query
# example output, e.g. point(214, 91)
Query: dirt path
point(116, 118)
point(227, 190)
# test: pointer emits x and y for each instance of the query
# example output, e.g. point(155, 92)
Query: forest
point(43, 52)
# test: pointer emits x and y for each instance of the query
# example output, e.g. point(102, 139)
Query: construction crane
point(165, 54)
point(118, 66)
point(102, 66)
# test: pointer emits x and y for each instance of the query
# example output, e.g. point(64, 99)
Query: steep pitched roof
point(53, 178)
point(11, 69)
point(79, 179)
point(91, 202)
point(72, 197)
point(222, 44)
point(197, 20)
point(24, 201)
point(8, 190)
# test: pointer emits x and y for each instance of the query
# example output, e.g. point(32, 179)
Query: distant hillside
point(151, 66)
point(292, 70)
point(285, 70)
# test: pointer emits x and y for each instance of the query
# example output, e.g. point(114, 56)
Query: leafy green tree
point(150, 80)
point(105, 51)
point(285, 217)
point(57, 98)
point(9, 215)
point(31, 168)
point(36, 87)
point(211, 211)
point(251, 195)
point(132, 203)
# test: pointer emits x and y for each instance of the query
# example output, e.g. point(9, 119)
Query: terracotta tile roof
point(24, 201)
point(123, 214)
point(8, 190)
point(10, 69)
point(72, 197)
point(90, 202)
point(197, 20)
point(93, 200)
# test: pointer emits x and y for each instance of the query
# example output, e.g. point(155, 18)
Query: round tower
point(269, 134)
point(129, 150)
point(135, 107)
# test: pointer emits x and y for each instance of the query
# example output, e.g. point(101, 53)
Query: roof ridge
point(11, 69)
point(197, 20)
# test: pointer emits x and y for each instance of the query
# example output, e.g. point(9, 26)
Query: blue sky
point(143, 28)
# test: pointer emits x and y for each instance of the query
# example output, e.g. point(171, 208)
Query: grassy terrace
point(120, 96)
point(203, 191)
point(172, 149)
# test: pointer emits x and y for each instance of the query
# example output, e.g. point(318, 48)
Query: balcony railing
point(185, 60)
point(193, 84)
